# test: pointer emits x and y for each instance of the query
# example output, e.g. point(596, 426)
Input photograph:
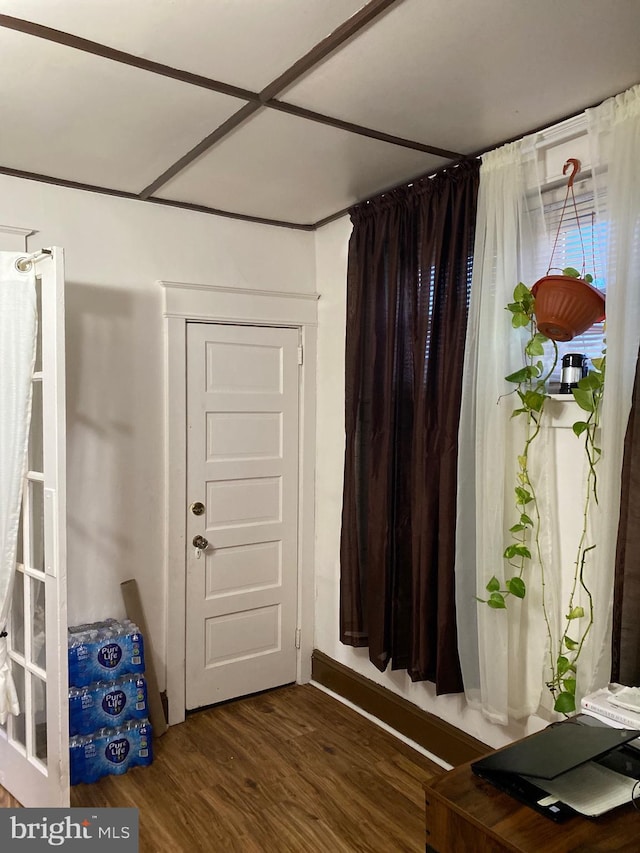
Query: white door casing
point(34, 747)
point(185, 302)
point(242, 465)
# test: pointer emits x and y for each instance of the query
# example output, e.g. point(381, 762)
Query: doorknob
point(200, 542)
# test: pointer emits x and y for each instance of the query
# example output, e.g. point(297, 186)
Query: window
point(589, 240)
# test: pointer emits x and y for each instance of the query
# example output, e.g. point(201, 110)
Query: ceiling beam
point(97, 49)
point(318, 52)
point(229, 214)
point(164, 202)
point(309, 115)
point(204, 145)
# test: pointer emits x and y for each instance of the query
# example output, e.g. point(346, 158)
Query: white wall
point(115, 251)
point(331, 267)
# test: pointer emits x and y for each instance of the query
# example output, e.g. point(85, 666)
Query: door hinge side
point(300, 353)
point(298, 638)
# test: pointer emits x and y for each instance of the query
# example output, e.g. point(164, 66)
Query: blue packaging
point(107, 704)
point(104, 651)
point(76, 760)
point(110, 751)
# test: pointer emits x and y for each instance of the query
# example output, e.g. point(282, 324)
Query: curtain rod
point(25, 263)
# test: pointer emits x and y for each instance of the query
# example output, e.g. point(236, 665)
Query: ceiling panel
point(465, 75)
point(282, 167)
point(244, 42)
point(79, 117)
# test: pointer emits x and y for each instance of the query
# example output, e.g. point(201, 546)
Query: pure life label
point(79, 829)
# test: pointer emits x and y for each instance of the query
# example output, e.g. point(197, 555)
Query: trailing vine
point(588, 395)
point(531, 388)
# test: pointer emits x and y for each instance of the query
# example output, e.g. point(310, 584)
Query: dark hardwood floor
point(288, 771)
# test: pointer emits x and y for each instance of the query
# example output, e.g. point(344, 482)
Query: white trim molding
point(239, 305)
point(184, 302)
point(14, 239)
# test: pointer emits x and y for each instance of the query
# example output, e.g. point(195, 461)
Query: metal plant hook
point(574, 164)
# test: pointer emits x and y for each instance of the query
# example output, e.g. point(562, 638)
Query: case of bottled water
point(110, 751)
point(107, 703)
point(104, 651)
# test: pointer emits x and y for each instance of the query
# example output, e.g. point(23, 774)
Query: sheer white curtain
point(18, 319)
point(500, 651)
point(504, 653)
point(614, 133)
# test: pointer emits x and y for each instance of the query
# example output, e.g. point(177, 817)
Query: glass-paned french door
point(34, 746)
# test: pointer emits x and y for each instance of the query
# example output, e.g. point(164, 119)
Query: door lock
point(197, 508)
point(200, 542)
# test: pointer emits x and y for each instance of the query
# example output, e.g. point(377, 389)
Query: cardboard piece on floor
point(133, 607)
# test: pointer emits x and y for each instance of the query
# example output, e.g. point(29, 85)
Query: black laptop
point(559, 748)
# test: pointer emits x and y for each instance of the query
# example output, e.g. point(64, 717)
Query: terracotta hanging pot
point(566, 306)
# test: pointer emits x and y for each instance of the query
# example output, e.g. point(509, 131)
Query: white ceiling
point(459, 75)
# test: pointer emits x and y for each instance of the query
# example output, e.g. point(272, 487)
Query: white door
point(242, 477)
point(34, 746)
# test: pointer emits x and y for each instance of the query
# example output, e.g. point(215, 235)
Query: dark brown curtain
point(408, 285)
point(626, 602)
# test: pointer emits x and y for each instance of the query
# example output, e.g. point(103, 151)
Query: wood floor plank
point(402, 774)
point(7, 801)
point(289, 771)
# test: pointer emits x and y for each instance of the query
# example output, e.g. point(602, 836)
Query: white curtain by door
point(503, 652)
point(18, 322)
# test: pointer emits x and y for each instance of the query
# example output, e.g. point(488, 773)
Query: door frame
point(184, 302)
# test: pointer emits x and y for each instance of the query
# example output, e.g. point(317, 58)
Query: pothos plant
point(531, 388)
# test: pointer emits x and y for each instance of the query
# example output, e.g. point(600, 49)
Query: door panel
point(34, 746)
point(242, 463)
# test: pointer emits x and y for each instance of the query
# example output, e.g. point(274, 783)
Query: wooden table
point(466, 814)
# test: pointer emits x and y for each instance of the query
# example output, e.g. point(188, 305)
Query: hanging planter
point(567, 304)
